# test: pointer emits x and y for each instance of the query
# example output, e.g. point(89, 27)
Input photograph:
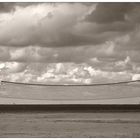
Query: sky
point(80, 43)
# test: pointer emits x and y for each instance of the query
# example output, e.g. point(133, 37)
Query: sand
point(60, 124)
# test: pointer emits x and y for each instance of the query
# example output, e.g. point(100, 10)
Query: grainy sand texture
point(61, 124)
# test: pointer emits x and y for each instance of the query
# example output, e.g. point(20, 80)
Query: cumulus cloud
point(12, 67)
point(61, 73)
point(48, 25)
point(69, 42)
point(136, 77)
point(44, 25)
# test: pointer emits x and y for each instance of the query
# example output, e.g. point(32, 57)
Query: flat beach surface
point(67, 121)
point(69, 124)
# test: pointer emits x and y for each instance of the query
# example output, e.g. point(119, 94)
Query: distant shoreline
point(69, 108)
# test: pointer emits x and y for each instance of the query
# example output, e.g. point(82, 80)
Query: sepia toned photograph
point(69, 70)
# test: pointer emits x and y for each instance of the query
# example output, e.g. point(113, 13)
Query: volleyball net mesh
point(128, 89)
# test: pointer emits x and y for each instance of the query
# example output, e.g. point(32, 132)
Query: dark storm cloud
point(122, 18)
point(110, 12)
point(61, 41)
point(59, 26)
point(47, 26)
point(6, 7)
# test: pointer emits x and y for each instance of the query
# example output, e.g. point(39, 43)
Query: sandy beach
point(61, 124)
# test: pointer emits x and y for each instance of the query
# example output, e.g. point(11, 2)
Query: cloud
point(33, 54)
point(107, 58)
point(61, 73)
point(46, 25)
point(57, 25)
point(32, 25)
point(6, 7)
point(110, 12)
point(12, 67)
point(51, 42)
point(4, 54)
point(136, 77)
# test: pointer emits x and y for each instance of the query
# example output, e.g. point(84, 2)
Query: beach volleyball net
point(120, 90)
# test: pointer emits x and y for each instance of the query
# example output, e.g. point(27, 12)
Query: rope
point(117, 83)
point(18, 83)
